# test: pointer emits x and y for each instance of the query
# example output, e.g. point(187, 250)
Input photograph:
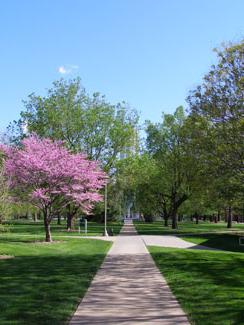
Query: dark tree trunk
point(229, 221)
point(197, 218)
point(69, 221)
point(71, 212)
point(219, 217)
point(226, 215)
point(59, 219)
point(166, 221)
point(175, 204)
point(174, 220)
point(215, 218)
point(47, 228)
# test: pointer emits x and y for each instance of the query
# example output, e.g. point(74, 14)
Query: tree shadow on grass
point(228, 242)
point(44, 289)
point(209, 285)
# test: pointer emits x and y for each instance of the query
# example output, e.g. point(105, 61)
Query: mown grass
point(157, 228)
point(208, 284)
point(44, 283)
point(205, 233)
point(228, 242)
point(29, 227)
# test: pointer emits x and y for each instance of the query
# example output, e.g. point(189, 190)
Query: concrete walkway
point(129, 289)
point(171, 241)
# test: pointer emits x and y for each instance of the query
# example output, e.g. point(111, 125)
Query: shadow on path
point(129, 289)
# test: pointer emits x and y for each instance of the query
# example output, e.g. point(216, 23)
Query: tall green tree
point(85, 123)
point(168, 144)
point(135, 180)
point(219, 101)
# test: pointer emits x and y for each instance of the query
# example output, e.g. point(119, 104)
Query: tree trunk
point(219, 217)
point(69, 221)
point(47, 229)
point(197, 218)
point(166, 221)
point(35, 216)
point(215, 218)
point(229, 221)
point(174, 220)
point(226, 215)
point(59, 219)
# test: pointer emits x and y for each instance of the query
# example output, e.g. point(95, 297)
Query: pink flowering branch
point(47, 173)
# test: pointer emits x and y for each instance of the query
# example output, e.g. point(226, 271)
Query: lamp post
point(105, 210)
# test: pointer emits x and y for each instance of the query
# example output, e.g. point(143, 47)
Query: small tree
point(51, 177)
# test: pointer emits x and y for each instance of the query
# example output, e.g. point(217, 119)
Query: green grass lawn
point(29, 227)
point(208, 284)
point(229, 242)
point(157, 228)
point(44, 283)
point(205, 233)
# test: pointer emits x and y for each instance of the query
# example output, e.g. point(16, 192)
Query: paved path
point(171, 241)
point(129, 289)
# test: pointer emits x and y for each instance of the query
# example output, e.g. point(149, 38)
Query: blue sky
point(149, 53)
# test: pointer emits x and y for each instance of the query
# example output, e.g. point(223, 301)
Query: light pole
point(105, 210)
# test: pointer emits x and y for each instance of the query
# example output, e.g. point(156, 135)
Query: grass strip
point(44, 283)
point(208, 284)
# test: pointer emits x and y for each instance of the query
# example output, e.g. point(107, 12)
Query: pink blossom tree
point(51, 177)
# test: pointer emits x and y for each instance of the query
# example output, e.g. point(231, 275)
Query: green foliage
point(135, 178)
point(218, 104)
point(85, 123)
point(169, 145)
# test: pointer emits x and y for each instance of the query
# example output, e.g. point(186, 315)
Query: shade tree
point(168, 143)
point(85, 123)
point(219, 102)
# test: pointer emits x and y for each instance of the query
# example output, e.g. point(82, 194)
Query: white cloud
point(67, 69)
point(25, 128)
point(62, 70)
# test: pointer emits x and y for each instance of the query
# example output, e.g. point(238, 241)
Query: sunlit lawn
point(29, 227)
point(208, 284)
point(157, 228)
point(215, 235)
point(44, 283)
